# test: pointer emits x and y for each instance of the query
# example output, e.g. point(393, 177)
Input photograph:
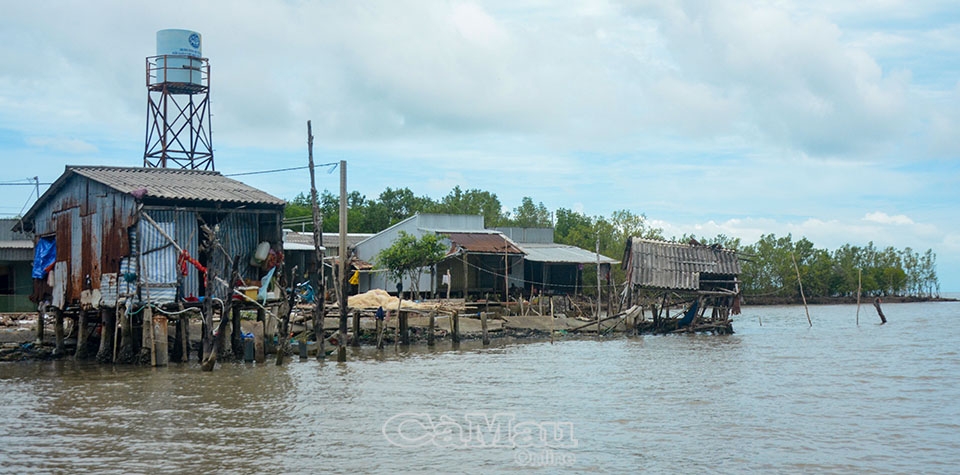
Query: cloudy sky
point(837, 121)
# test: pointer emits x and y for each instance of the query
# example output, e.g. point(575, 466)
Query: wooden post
point(285, 324)
point(162, 355)
point(456, 327)
point(431, 328)
point(379, 334)
point(207, 314)
point(876, 303)
point(318, 281)
point(210, 360)
point(552, 321)
point(859, 288)
point(797, 268)
point(342, 346)
point(126, 334)
point(108, 330)
point(149, 339)
point(466, 272)
point(81, 352)
point(483, 326)
point(236, 331)
point(183, 337)
point(259, 355)
point(356, 328)
point(404, 327)
point(41, 312)
point(58, 331)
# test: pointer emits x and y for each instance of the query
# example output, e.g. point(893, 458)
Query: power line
point(332, 165)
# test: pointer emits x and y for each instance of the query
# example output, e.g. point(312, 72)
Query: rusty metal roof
point(484, 242)
point(175, 184)
point(671, 265)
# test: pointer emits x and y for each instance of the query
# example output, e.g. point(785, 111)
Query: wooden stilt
point(456, 327)
point(126, 335)
point(81, 352)
point(552, 321)
point(162, 354)
point(148, 335)
point(236, 332)
point(379, 334)
point(107, 332)
point(483, 326)
point(259, 355)
point(859, 288)
point(404, 328)
point(41, 313)
point(431, 328)
point(285, 323)
point(58, 331)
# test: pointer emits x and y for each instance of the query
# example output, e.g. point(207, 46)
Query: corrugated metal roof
point(16, 244)
point(483, 242)
point(671, 265)
point(562, 253)
point(176, 184)
point(330, 240)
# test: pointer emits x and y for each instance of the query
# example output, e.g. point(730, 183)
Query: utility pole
point(319, 298)
point(342, 341)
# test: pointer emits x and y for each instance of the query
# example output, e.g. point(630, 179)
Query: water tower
point(178, 104)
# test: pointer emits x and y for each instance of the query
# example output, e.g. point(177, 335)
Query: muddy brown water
point(781, 397)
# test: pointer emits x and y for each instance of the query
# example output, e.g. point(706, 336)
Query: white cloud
point(62, 144)
point(884, 218)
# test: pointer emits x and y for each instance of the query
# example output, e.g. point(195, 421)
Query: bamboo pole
point(553, 322)
point(805, 308)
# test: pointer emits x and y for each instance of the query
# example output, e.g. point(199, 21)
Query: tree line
point(768, 264)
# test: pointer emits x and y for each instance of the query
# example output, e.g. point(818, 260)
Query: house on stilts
point(137, 245)
point(661, 275)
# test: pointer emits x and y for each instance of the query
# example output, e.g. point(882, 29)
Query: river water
point(777, 396)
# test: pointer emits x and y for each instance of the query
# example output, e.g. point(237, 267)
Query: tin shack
point(135, 238)
point(662, 274)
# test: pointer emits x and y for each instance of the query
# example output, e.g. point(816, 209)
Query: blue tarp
point(688, 317)
point(44, 255)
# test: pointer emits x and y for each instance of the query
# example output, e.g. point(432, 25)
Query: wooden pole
point(342, 341)
point(552, 321)
point(236, 331)
point(379, 334)
point(456, 327)
point(449, 281)
point(81, 352)
point(876, 303)
point(42, 310)
point(211, 359)
point(285, 323)
point(466, 270)
point(431, 328)
point(805, 308)
point(404, 319)
point(506, 276)
point(599, 292)
point(319, 300)
point(126, 335)
point(483, 326)
point(162, 353)
point(109, 329)
point(58, 331)
point(859, 288)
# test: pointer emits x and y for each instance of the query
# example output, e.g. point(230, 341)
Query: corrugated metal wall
point(677, 266)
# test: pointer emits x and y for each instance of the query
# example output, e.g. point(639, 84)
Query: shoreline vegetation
point(774, 265)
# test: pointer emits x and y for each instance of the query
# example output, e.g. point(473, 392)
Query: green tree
point(529, 215)
point(409, 257)
point(471, 202)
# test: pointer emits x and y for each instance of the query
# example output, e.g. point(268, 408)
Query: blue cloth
point(265, 283)
point(44, 255)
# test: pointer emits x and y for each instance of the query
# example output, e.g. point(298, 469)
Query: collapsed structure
point(660, 274)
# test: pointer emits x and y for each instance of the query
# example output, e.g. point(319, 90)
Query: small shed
point(552, 267)
point(16, 259)
point(145, 233)
point(658, 272)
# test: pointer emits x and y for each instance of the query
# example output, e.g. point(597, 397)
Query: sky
point(834, 121)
